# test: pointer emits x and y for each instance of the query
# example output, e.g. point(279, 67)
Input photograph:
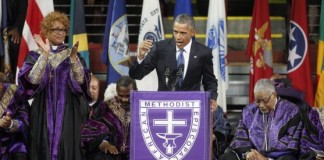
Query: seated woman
point(13, 121)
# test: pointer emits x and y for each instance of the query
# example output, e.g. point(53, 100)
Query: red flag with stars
point(298, 65)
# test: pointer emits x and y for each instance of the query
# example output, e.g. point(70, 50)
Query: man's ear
point(274, 93)
point(193, 32)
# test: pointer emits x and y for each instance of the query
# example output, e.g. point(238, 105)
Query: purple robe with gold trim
point(111, 123)
point(59, 107)
point(14, 142)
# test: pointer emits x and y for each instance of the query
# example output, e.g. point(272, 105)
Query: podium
point(170, 125)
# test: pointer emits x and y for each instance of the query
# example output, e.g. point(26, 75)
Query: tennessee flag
point(36, 11)
point(77, 29)
point(298, 65)
point(216, 40)
point(319, 96)
point(151, 27)
point(115, 49)
point(259, 47)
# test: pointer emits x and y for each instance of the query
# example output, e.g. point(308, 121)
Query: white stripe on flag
point(45, 6)
point(29, 37)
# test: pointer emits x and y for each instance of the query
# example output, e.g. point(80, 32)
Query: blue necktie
point(180, 60)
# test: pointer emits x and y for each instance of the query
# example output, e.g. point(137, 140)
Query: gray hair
point(264, 85)
point(185, 19)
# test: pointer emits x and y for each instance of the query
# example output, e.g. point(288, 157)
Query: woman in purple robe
point(106, 135)
point(13, 122)
point(56, 78)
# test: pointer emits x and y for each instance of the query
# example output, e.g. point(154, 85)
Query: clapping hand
point(5, 121)
point(74, 51)
point(44, 46)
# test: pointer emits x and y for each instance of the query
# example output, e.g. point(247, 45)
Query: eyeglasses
point(59, 31)
point(259, 101)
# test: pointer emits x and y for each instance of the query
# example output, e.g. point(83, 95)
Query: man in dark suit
point(164, 55)
point(17, 10)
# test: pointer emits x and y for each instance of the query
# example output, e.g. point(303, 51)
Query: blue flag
point(182, 7)
point(77, 29)
point(115, 49)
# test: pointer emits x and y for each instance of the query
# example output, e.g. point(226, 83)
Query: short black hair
point(125, 81)
point(185, 19)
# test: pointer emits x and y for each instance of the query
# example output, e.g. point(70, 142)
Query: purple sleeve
point(83, 88)
point(23, 80)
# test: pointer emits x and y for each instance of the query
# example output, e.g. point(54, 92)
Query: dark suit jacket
point(163, 55)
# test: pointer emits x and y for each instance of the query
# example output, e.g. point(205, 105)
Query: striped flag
point(115, 49)
point(36, 11)
point(151, 27)
point(298, 66)
point(259, 47)
point(77, 29)
point(4, 41)
point(182, 7)
point(216, 40)
point(319, 96)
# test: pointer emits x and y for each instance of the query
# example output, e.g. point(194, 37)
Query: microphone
point(167, 75)
point(177, 76)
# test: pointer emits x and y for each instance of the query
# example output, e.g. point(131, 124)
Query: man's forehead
point(261, 94)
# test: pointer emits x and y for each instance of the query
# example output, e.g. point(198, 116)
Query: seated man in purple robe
point(106, 137)
point(270, 128)
point(13, 122)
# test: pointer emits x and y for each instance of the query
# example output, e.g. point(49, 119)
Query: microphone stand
point(175, 80)
point(167, 76)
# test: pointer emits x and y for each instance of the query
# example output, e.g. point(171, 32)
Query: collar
point(275, 105)
point(92, 103)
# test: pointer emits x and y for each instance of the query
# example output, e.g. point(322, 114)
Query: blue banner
point(115, 47)
point(182, 7)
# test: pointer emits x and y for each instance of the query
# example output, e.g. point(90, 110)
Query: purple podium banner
point(170, 126)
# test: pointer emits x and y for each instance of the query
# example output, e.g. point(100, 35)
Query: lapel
point(172, 53)
point(192, 60)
